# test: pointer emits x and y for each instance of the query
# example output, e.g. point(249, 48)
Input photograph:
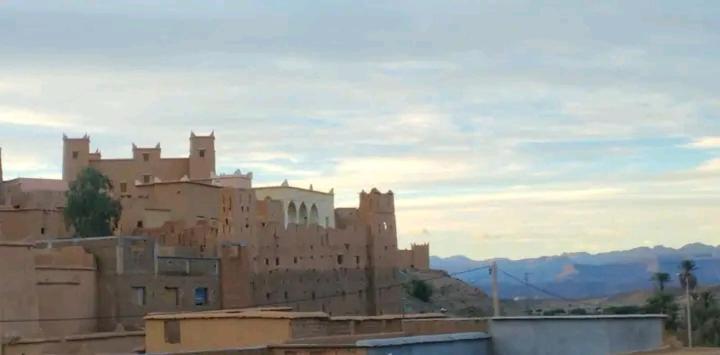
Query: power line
point(545, 291)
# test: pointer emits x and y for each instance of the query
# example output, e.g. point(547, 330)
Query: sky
point(504, 128)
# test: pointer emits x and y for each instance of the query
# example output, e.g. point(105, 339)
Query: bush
point(420, 290)
point(578, 311)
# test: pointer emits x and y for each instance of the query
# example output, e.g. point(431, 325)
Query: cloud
point(710, 166)
point(705, 143)
point(26, 117)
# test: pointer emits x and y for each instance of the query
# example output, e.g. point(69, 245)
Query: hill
point(584, 275)
point(455, 295)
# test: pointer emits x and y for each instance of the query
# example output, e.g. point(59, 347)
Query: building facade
point(201, 236)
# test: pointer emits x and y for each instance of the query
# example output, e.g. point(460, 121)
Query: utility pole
point(527, 295)
point(496, 301)
point(689, 317)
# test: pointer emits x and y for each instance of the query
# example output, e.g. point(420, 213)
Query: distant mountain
point(584, 275)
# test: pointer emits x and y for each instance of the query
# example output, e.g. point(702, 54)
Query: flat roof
point(292, 188)
point(239, 314)
point(419, 339)
point(581, 317)
point(392, 316)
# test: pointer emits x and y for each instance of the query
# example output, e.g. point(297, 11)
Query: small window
point(357, 260)
point(146, 157)
point(139, 296)
point(267, 261)
point(339, 259)
point(139, 224)
point(201, 296)
point(277, 261)
point(123, 187)
point(295, 260)
point(75, 154)
point(172, 331)
point(201, 153)
point(42, 230)
point(172, 295)
point(147, 179)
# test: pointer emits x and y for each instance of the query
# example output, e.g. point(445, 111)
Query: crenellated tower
point(76, 156)
point(202, 156)
point(377, 212)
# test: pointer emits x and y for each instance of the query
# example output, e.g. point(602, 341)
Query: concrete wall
point(456, 343)
point(587, 335)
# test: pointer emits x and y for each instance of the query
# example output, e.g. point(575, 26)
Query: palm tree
point(661, 278)
point(687, 277)
point(688, 281)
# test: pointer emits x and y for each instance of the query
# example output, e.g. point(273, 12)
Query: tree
point(687, 277)
point(420, 290)
point(661, 278)
point(664, 303)
point(90, 210)
point(688, 281)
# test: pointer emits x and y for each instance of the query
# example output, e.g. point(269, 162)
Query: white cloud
point(705, 143)
point(26, 117)
point(710, 166)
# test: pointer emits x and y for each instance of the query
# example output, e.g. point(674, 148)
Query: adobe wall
point(66, 289)
point(18, 296)
point(95, 343)
point(30, 193)
point(417, 257)
point(76, 156)
point(31, 224)
point(127, 263)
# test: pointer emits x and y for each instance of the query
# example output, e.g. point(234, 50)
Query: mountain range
point(584, 275)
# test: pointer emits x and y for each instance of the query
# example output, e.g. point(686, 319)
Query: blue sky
point(508, 129)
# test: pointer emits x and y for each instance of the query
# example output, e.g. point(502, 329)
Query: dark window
point(201, 153)
point(42, 230)
point(123, 187)
point(277, 261)
point(139, 296)
point(357, 260)
point(75, 154)
point(267, 261)
point(339, 259)
point(147, 179)
point(267, 295)
point(313, 295)
point(295, 260)
point(139, 224)
point(201, 296)
point(146, 157)
point(172, 331)
point(286, 295)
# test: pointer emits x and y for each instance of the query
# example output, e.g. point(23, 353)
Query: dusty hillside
point(456, 296)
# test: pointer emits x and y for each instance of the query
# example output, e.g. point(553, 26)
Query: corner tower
point(76, 156)
point(201, 162)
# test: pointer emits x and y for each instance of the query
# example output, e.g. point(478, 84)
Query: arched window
point(303, 214)
point(314, 217)
point(292, 213)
